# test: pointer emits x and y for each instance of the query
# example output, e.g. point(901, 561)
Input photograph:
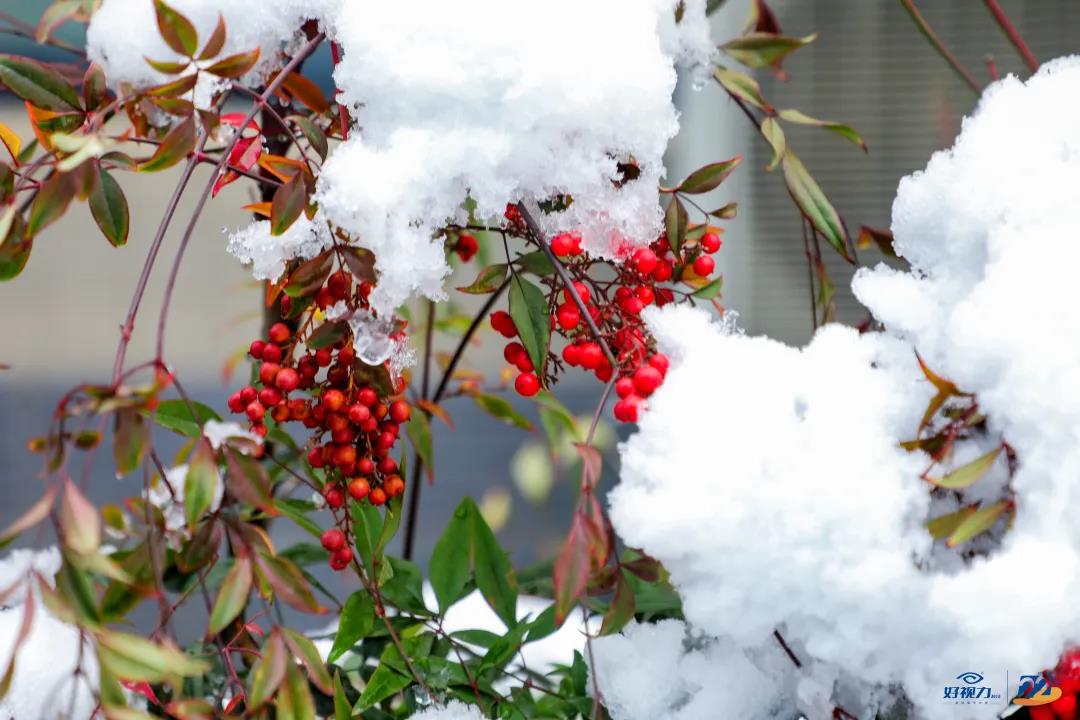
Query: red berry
point(644, 260)
point(527, 384)
point(255, 411)
point(513, 351)
point(626, 410)
point(359, 488)
point(663, 271)
point(339, 284)
point(710, 242)
point(568, 316)
point(341, 558)
point(364, 466)
point(333, 400)
point(386, 440)
point(377, 496)
point(323, 357)
point(660, 362)
point(279, 333)
point(704, 265)
point(287, 380)
point(388, 466)
point(400, 411)
point(248, 394)
point(315, 457)
point(604, 372)
point(271, 353)
point(367, 397)
point(344, 455)
point(563, 244)
point(632, 305)
point(358, 413)
point(236, 402)
point(646, 380)
point(503, 324)
point(268, 372)
point(582, 291)
point(645, 294)
point(524, 363)
point(333, 539)
point(334, 497)
point(466, 247)
point(269, 396)
point(394, 485)
point(346, 355)
point(591, 356)
point(256, 349)
point(572, 355)
point(624, 386)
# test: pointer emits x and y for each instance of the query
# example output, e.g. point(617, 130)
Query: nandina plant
point(318, 435)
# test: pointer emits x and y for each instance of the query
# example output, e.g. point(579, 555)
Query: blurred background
point(869, 68)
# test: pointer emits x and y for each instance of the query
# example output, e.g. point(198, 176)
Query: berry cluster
point(354, 425)
point(1065, 676)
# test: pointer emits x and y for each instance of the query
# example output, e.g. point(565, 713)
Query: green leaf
point(109, 207)
point(200, 483)
point(814, 205)
point(131, 437)
point(494, 574)
point(488, 281)
point(708, 292)
point(235, 66)
point(177, 31)
point(966, 475)
point(327, 334)
point(726, 212)
point(313, 133)
point(404, 586)
point(529, 309)
point(536, 262)
point(501, 409)
point(383, 683)
point(14, 246)
point(764, 50)
point(367, 528)
point(448, 568)
point(294, 700)
point(840, 129)
point(774, 135)
point(288, 582)
point(945, 525)
point(741, 86)
point(176, 415)
point(675, 222)
point(977, 522)
point(356, 623)
point(50, 202)
point(621, 610)
point(175, 147)
point(39, 85)
point(419, 432)
point(709, 177)
point(288, 202)
point(342, 708)
point(232, 598)
point(167, 67)
point(132, 657)
point(304, 650)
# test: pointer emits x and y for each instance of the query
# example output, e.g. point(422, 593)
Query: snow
point(480, 99)
point(43, 684)
point(768, 480)
point(268, 254)
point(167, 494)
point(454, 710)
point(220, 433)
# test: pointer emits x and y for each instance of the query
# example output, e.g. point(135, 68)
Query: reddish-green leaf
point(675, 222)
point(267, 672)
point(304, 650)
point(487, 281)
point(56, 15)
point(235, 66)
point(94, 88)
point(419, 432)
point(174, 88)
point(233, 596)
point(840, 129)
point(621, 610)
point(79, 521)
point(175, 147)
point(814, 205)
point(977, 522)
point(50, 203)
point(15, 246)
point(288, 582)
point(742, 86)
point(709, 177)
point(248, 481)
point(572, 568)
point(35, 514)
point(289, 201)
point(529, 309)
point(883, 238)
point(314, 134)
point(327, 334)
point(216, 42)
point(774, 135)
point(764, 50)
point(966, 475)
point(130, 440)
point(109, 207)
point(132, 657)
point(168, 67)
point(500, 409)
point(306, 92)
point(177, 31)
point(294, 700)
point(37, 84)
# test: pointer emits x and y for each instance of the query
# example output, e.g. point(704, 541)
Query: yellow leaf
point(11, 141)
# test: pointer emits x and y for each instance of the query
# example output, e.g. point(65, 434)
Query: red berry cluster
point(1067, 677)
point(354, 426)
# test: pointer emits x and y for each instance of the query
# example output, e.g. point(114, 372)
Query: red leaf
point(142, 688)
point(572, 567)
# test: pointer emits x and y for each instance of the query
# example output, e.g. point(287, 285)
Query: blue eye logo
point(971, 678)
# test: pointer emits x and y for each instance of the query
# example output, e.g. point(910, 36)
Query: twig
point(1013, 34)
point(935, 41)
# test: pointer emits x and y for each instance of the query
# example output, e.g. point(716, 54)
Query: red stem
point(1013, 34)
point(929, 34)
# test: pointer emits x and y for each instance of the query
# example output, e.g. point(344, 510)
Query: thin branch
point(1013, 34)
point(935, 41)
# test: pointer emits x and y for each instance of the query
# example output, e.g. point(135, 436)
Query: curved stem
point(935, 41)
point(1013, 34)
